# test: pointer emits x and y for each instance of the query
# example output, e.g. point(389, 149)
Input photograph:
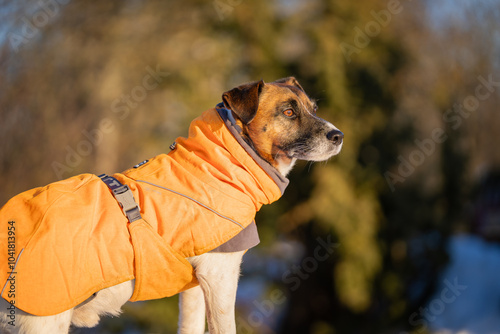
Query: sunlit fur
point(282, 140)
point(278, 139)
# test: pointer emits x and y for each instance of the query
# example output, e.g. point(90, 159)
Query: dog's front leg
point(192, 311)
point(218, 275)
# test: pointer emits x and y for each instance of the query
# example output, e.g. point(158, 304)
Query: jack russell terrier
point(80, 248)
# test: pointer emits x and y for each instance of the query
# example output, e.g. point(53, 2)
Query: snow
point(467, 300)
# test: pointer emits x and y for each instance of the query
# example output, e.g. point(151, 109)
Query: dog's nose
point(335, 136)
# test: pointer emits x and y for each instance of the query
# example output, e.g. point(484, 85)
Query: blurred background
point(398, 234)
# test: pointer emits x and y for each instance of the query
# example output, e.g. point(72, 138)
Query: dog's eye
point(288, 113)
point(315, 109)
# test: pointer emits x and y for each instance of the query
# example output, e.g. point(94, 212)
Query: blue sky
point(464, 13)
point(444, 11)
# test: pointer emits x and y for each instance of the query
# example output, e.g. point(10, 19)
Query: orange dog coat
point(70, 239)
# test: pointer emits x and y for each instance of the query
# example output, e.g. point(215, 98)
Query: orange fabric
point(72, 239)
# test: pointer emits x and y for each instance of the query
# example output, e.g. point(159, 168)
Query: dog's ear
point(290, 81)
point(244, 100)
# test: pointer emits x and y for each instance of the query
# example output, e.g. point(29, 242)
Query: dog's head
point(279, 121)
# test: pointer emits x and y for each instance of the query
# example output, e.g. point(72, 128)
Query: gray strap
point(124, 196)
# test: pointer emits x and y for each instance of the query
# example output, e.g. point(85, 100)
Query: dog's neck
point(283, 164)
point(285, 167)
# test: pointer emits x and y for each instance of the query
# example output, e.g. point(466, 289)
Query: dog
point(247, 145)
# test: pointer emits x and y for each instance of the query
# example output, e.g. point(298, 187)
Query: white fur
point(28, 324)
point(217, 274)
point(215, 296)
point(285, 167)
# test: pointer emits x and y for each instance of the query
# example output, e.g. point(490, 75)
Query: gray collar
point(227, 117)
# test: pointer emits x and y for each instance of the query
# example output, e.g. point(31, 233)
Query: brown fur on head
point(279, 121)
